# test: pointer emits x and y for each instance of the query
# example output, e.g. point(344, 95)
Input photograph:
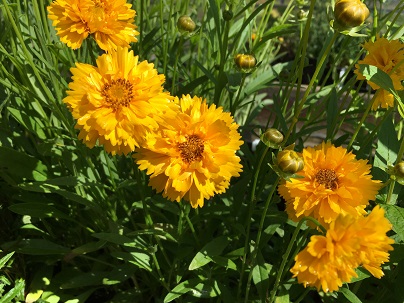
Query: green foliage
point(85, 226)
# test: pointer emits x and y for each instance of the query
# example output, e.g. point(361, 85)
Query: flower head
point(333, 182)
point(387, 55)
point(117, 101)
point(330, 260)
point(109, 21)
point(194, 155)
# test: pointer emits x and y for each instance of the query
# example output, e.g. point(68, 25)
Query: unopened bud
point(245, 62)
point(290, 161)
point(185, 24)
point(272, 138)
point(227, 15)
point(350, 13)
point(399, 169)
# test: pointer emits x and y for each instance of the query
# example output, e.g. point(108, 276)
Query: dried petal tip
point(185, 24)
point(272, 138)
point(350, 13)
point(289, 161)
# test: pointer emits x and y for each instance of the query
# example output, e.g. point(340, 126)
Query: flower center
point(327, 177)
point(96, 16)
point(192, 149)
point(117, 93)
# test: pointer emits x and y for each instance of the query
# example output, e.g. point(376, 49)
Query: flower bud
point(245, 62)
point(272, 138)
point(185, 24)
point(350, 13)
point(301, 15)
point(289, 161)
point(227, 15)
point(399, 169)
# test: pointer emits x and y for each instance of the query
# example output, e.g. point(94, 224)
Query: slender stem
point(236, 102)
point(310, 86)
point(393, 182)
point(303, 295)
point(304, 44)
point(286, 255)
point(365, 114)
point(251, 207)
point(259, 234)
point(177, 56)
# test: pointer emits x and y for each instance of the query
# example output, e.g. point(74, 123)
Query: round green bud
point(290, 161)
point(185, 24)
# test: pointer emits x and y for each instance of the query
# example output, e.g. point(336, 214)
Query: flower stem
point(287, 253)
point(251, 207)
point(365, 114)
point(257, 241)
point(310, 86)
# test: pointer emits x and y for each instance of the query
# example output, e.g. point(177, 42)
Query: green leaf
point(260, 277)
point(196, 287)
point(395, 214)
point(213, 248)
point(140, 259)
point(30, 122)
point(379, 77)
point(5, 259)
point(39, 210)
point(386, 154)
point(17, 292)
point(22, 165)
point(39, 247)
point(350, 295)
point(362, 274)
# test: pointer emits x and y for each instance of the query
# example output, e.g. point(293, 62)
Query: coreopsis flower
point(332, 182)
point(387, 55)
point(117, 101)
point(193, 157)
point(383, 99)
point(329, 261)
point(110, 22)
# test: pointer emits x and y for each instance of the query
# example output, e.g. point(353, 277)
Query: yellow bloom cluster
point(334, 188)
point(188, 147)
point(330, 260)
point(387, 55)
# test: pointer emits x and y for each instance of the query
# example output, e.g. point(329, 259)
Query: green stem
point(258, 240)
point(286, 255)
point(365, 114)
point(303, 45)
point(250, 211)
point(310, 86)
point(177, 56)
point(221, 79)
point(236, 102)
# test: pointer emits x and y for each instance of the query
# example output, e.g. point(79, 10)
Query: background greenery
point(85, 227)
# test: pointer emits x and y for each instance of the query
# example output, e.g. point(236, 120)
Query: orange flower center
point(192, 149)
point(117, 93)
point(327, 177)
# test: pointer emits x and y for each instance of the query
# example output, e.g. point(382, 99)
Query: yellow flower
point(109, 21)
point(194, 155)
point(389, 57)
point(333, 182)
point(382, 98)
point(329, 261)
point(117, 101)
